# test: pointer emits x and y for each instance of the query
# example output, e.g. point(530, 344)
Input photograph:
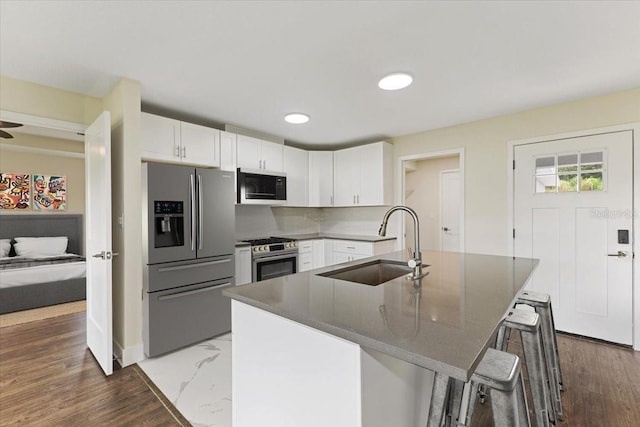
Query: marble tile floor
point(197, 380)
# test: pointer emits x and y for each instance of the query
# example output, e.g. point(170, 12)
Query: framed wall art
point(14, 190)
point(49, 192)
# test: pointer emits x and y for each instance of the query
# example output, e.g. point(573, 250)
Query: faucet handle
point(412, 263)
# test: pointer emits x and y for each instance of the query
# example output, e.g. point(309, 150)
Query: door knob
point(620, 254)
point(446, 229)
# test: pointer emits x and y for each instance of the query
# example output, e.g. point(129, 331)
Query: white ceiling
point(248, 63)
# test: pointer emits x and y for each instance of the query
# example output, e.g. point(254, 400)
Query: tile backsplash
point(254, 221)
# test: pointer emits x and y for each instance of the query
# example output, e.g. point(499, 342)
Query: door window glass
point(570, 172)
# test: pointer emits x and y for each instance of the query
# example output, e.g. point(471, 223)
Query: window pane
point(545, 165)
point(568, 182)
point(546, 184)
point(591, 157)
point(568, 159)
point(591, 181)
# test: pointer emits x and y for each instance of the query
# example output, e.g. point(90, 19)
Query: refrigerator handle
point(192, 194)
point(201, 214)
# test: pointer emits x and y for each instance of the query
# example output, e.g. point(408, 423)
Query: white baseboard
point(128, 356)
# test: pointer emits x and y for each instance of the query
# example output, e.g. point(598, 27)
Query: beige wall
point(124, 104)
point(29, 98)
point(41, 156)
point(422, 193)
point(485, 143)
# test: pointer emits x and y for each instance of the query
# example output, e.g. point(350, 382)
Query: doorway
point(433, 185)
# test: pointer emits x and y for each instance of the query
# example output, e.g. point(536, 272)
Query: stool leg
point(439, 397)
point(534, 360)
point(455, 401)
point(555, 348)
point(505, 408)
point(523, 407)
point(551, 359)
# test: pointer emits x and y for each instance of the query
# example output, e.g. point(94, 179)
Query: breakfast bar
point(319, 348)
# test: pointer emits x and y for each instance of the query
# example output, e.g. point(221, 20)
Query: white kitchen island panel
point(288, 374)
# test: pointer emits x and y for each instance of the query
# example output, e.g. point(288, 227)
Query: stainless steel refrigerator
point(189, 243)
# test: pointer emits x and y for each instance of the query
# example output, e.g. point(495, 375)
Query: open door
point(98, 240)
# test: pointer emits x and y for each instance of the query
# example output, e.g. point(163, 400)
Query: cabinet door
point(297, 170)
point(346, 177)
point(272, 156)
point(243, 265)
point(248, 153)
point(376, 169)
point(160, 138)
point(305, 262)
point(228, 151)
point(340, 257)
point(200, 145)
point(320, 178)
point(318, 253)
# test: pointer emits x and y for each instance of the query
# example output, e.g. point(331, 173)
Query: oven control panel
point(274, 247)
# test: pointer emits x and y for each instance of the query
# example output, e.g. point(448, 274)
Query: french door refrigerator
point(189, 243)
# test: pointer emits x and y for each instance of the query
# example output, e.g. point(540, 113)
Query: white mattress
point(42, 273)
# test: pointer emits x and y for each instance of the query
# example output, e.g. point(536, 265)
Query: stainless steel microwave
point(261, 187)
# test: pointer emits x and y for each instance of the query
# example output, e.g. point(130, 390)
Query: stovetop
point(273, 245)
point(269, 241)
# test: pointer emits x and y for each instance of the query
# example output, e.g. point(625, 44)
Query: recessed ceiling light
point(395, 81)
point(296, 118)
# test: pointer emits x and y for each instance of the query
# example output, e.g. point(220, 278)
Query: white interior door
point(450, 210)
point(98, 240)
point(573, 209)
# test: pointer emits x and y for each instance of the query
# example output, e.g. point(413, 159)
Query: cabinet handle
point(351, 247)
point(264, 164)
point(177, 151)
point(331, 200)
point(358, 198)
point(184, 152)
point(259, 164)
point(354, 199)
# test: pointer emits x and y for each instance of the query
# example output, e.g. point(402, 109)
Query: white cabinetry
point(296, 166)
point(351, 250)
point(363, 176)
point(310, 254)
point(320, 178)
point(173, 141)
point(228, 151)
point(254, 153)
point(243, 265)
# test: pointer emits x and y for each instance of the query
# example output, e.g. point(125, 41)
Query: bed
point(57, 286)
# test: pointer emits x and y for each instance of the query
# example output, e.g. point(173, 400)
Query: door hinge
point(514, 233)
point(514, 165)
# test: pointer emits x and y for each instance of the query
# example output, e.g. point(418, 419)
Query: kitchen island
point(316, 351)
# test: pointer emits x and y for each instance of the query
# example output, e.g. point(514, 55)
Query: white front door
point(450, 210)
point(573, 209)
point(98, 240)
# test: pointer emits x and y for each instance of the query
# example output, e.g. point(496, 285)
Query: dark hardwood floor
point(602, 384)
point(48, 377)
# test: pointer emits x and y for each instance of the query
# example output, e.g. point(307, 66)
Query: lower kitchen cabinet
point(310, 254)
point(243, 265)
point(352, 250)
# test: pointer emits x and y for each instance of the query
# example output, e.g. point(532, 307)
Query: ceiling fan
point(4, 124)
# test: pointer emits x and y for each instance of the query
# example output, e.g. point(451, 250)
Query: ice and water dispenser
point(169, 224)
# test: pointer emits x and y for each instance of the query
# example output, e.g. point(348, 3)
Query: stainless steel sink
point(371, 273)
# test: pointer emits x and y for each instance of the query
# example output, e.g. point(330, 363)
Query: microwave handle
point(201, 214)
point(192, 197)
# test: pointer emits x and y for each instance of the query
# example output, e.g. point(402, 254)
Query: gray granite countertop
point(461, 303)
point(338, 236)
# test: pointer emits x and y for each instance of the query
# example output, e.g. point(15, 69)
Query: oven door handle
point(260, 259)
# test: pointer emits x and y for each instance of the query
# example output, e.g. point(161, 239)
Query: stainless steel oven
point(273, 257)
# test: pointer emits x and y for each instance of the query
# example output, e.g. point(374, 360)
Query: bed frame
point(25, 297)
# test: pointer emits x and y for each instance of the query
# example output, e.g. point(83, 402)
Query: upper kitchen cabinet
point(254, 153)
point(320, 178)
point(296, 166)
point(173, 141)
point(363, 176)
point(228, 161)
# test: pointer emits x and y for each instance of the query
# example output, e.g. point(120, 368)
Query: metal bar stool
point(499, 373)
point(528, 324)
point(541, 303)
